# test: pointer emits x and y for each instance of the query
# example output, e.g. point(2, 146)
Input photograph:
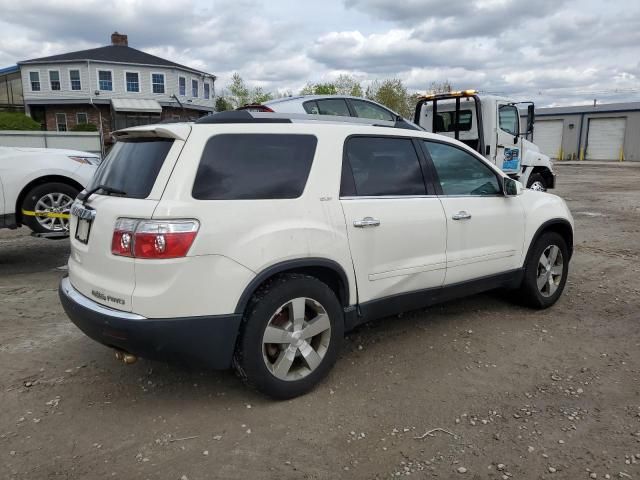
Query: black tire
point(537, 179)
point(530, 294)
point(36, 193)
point(249, 360)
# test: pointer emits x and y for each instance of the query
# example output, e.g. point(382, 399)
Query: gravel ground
point(506, 392)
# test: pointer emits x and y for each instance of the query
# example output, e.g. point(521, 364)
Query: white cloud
point(550, 50)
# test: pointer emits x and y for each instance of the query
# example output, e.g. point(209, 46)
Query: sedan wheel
point(52, 211)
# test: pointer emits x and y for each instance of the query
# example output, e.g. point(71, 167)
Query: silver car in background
point(344, 106)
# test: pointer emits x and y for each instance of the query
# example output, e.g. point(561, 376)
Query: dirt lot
point(521, 394)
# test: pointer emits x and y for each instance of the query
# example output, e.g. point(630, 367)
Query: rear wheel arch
point(558, 225)
point(327, 271)
point(41, 181)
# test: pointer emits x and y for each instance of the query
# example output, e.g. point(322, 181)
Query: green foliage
point(222, 105)
point(239, 91)
point(85, 127)
point(260, 96)
point(241, 94)
point(307, 89)
point(319, 89)
point(348, 85)
point(325, 89)
point(17, 121)
point(393, 94)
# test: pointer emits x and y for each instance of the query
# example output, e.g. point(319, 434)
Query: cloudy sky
point(556, 52)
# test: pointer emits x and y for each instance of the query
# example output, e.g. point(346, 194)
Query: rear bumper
point(206, 340)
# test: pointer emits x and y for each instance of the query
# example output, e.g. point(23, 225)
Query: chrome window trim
point(396, 197)
point(385, 197)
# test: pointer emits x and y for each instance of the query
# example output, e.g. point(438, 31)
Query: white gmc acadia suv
point(258, 239)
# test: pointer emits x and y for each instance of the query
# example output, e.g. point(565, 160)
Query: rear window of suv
point(254, 166)
point(132, 165)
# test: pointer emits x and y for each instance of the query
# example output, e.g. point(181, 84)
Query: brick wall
point(72, 110)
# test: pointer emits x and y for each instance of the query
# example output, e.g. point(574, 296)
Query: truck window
point(445, 121)
point(508, 119)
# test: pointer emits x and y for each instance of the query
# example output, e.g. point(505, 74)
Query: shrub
point(85, 127)
point(17, 121)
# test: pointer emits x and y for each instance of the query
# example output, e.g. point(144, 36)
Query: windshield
point(132, 166)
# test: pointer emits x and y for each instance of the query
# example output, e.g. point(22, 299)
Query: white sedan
point(38, 186)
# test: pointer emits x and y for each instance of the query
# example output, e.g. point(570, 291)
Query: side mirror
point(511, 187)
point(531, 117)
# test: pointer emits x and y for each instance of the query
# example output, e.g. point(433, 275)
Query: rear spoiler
point(178, 131)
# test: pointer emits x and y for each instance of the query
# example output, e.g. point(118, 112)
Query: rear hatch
point(134, 175)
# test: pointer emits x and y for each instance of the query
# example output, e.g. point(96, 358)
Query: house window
point(182, 86)
point(61, 122)
point(194, 88)
point(133, 82)
point(105, 80)
point(54, 79)
point(34, 79)
point(206, 87)
point(81, 118)
point(74, 78)
point(157, 82)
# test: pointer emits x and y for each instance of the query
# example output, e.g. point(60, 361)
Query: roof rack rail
point(248, 116)
point(239, 116)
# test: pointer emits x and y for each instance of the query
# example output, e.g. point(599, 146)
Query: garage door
point(547, 135)
point(605, 138)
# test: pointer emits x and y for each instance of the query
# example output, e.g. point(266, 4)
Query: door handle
point(461, 215)
point(366, 222)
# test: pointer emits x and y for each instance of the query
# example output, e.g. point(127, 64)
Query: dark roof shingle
point(112, 53)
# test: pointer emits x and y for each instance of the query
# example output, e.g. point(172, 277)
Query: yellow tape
point(30, 213)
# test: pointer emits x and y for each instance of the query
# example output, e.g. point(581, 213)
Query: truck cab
point(491, 126)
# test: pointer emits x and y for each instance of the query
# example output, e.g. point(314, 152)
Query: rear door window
point(311, 107)
point(254, 166)
point(132, 165)
point(381, 166)
point(366, 109)
point(333, 106)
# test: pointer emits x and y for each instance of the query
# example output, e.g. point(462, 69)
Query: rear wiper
point(105, 189)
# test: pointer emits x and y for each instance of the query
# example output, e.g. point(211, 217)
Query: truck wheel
point(546, 271)
point(292, 332)
point(45, 208)
point(537, 182)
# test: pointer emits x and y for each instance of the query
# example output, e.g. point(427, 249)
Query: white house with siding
point(114, 87)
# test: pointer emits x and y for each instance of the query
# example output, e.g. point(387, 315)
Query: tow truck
point(491, 126)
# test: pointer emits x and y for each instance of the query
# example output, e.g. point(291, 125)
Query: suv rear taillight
point(153, 238)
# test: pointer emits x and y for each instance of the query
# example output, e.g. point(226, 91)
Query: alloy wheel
point(550, 269)
point(538, 186)
point(52, 211)
point(296, 339)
